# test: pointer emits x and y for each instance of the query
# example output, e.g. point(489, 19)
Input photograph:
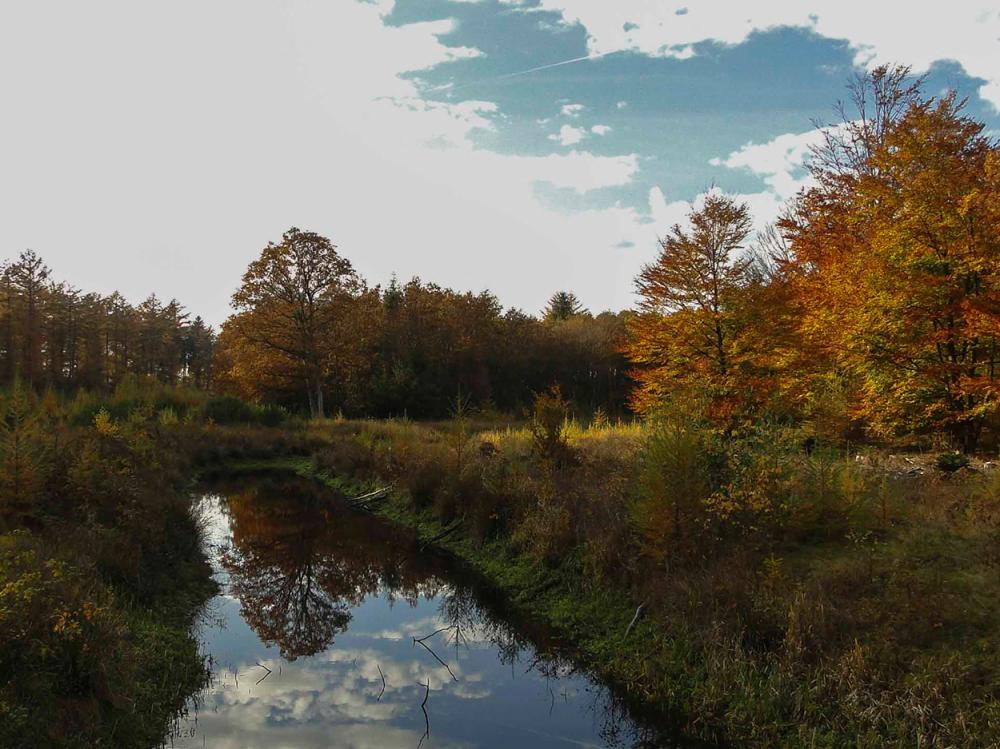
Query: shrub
point(674, 483)
point(548, 427)
point(951, 461)
point(228, 410)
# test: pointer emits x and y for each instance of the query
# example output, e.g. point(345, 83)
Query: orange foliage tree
point(896, 255)
point(690, 332)
point(291, 310)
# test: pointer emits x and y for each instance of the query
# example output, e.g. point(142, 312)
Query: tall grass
point(796, 593)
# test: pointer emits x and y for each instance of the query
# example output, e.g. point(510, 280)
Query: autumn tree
point(55, 335)
point(687, 332)
point(896, 254)
point(289, 301)
point(23, 453)
point(29, 278)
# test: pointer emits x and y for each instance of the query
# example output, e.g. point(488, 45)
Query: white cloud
point(129, 176)
point(621, 104)
point(764, 208)
point(568, 135)
point(780, 161)
point(600, 129)
point(967, 31)
point(571, 110)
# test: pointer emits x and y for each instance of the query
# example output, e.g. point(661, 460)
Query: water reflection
point(337, 630)
point(299, 563)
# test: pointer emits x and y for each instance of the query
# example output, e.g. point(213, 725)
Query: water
point(335, 629)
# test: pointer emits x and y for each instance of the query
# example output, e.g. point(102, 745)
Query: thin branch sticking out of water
point(383, 682)
point(269, 672)
point(423, 706)
point(435, 632)
point(424, 646)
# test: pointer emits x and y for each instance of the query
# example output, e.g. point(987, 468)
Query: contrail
point(526, 72)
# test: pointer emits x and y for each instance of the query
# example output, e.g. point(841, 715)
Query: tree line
point(311, 335)
point(309, 331)
point(871, 308)
point(55, 335)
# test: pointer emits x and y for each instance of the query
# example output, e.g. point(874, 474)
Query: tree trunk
point(319, 399)
point(314, 389)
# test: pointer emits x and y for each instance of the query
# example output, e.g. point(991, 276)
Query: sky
point(520, 146)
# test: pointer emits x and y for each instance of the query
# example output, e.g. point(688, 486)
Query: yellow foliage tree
point(897, 261)
point(691, 329)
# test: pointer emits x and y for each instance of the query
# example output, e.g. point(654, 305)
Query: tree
point(293, 293)
point(897, 263)
point(562, 306)
point(23, 455)
point(29, 277)
point(198, 345)
point(688, 332)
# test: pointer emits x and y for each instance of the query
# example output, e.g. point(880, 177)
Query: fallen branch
point(269, 672)
point(369, 497)
point(443, 534)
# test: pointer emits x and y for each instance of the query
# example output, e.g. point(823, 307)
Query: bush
point(227, 410)
point(675, 482)
point(548, 427)
point(64, 645)
point(951, 461)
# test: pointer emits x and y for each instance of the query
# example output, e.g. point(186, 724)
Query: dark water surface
point(312, 641)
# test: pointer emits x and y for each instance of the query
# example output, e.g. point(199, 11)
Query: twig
point(427, 720)
point(269, 672)
point(424, 646)
point(638, 613)
point(443, 534)
point(383, 682)
point(435, 632)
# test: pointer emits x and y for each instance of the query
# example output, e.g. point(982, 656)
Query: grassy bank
point(790, 597)
point(101, 577)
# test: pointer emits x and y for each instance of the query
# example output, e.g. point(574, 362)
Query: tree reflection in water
point(299, 561)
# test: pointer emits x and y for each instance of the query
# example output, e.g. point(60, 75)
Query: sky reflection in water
point(319, 603)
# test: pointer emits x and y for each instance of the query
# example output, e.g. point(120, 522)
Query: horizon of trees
point(55, 335)
point(870, 308)
point(308, 325)
point(318, 344)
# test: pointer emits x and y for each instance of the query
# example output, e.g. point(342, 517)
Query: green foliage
point(228, 410)
point(102, 567)
point(562, 306)
point(24, 463)
point(951, 462)
point(548, 425)
point(674, 485)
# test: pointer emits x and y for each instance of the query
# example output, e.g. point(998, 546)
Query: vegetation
point(879, 281)
point(101, 572)
point(54, 335)
point(785, 534)
point(785, 598)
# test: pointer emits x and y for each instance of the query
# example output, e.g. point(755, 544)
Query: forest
point(763, 502)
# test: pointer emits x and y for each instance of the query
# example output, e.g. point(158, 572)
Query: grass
point(812, 600)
